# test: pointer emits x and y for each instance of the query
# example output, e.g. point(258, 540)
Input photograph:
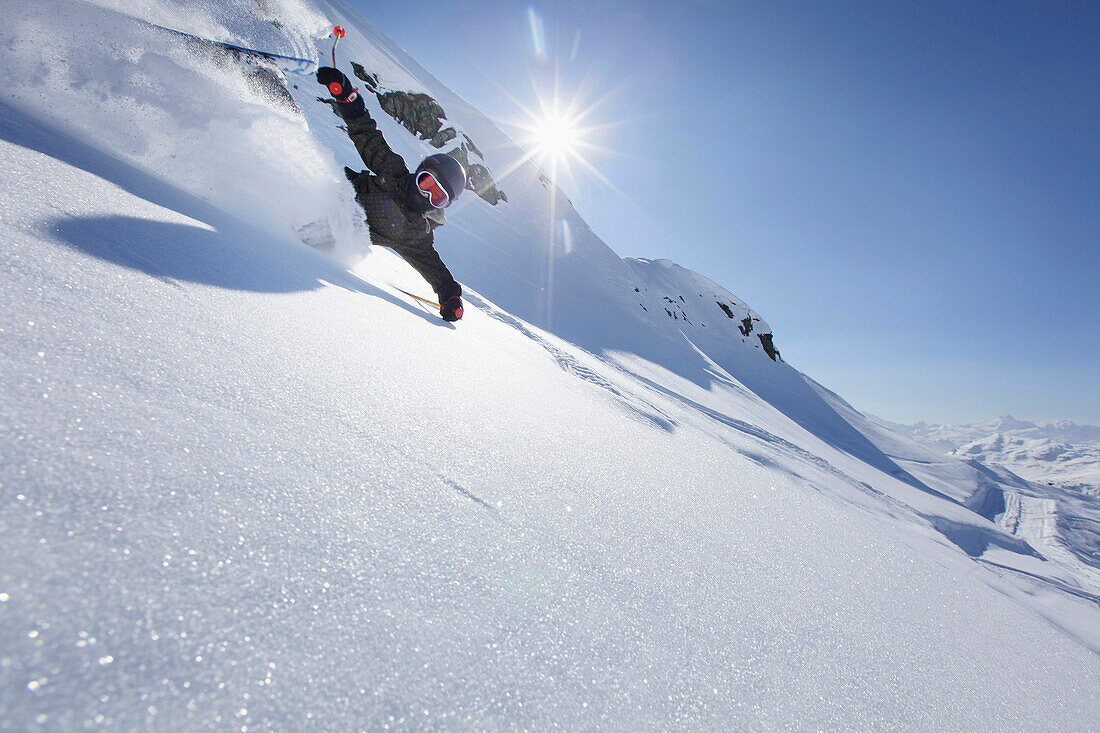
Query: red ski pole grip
point(336, 88)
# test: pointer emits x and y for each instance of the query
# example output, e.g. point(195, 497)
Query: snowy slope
point(242, 485)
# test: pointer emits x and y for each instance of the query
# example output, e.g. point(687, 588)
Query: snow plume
point(213, 129)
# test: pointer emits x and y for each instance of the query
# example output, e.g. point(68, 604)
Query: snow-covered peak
point(1007, 422)
point(693, 301)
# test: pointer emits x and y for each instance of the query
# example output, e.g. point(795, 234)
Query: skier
point(403, 209)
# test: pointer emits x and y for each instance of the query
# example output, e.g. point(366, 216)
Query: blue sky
point(909, 192)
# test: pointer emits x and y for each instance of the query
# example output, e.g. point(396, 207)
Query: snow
point(1039, 459)
point(1057, 453)
point(244, 486)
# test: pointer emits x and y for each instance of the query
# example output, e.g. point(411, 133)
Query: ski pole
point(416, 297)
point(337, 33)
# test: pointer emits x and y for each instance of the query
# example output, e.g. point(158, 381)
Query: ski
point(290, 64)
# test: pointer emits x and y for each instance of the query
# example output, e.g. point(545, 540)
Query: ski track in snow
point(473, 497)
point(571, 365)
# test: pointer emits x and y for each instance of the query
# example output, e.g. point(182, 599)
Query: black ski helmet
point(447, 171)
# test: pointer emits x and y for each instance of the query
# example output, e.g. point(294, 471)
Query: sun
point(557, 133)
point(556, 136)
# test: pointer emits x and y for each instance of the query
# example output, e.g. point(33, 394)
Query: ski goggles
point(429, 185)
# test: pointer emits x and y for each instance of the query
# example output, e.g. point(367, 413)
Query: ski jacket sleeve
point(424, 258)
point(373, 148)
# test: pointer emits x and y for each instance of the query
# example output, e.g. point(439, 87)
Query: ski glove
point(339, 86)
point(451, 310)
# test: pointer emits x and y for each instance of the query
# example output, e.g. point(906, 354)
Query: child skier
point(403, 209)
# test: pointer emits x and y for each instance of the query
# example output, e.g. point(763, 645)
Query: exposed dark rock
point(478, 178)
point(370, 79)
point(471, 147)
point(746, 326)
point(443, 137)
point(417, 113)
point(769, 347)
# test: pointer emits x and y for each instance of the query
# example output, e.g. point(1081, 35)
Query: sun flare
point(555, 135)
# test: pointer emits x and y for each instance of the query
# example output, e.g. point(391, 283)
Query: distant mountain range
point(1060, 453)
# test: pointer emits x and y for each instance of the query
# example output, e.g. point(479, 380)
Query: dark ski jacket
point(398, 216)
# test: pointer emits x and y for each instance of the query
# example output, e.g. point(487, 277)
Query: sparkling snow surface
point(243, 487)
